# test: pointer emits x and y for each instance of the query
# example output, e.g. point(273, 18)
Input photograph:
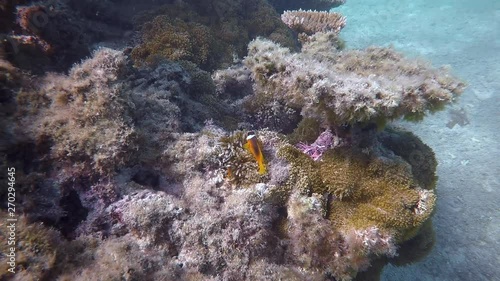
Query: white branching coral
point(310, 22)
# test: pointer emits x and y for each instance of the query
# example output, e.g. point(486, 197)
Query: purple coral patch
point(325, 141)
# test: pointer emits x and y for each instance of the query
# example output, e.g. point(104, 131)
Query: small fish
point(254, 145)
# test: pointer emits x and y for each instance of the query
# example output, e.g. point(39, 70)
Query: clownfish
point(254, 145)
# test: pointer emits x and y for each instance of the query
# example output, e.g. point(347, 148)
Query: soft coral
point(325, 141)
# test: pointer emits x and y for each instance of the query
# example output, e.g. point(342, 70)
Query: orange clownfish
point(254, 145)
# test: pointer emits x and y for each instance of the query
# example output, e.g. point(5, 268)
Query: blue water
point(466, 36)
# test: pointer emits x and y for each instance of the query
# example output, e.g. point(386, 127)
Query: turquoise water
point(466, 36)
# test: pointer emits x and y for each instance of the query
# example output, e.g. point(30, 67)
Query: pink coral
point(325, 141)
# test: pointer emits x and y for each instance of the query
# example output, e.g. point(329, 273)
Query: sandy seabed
point(465, 35)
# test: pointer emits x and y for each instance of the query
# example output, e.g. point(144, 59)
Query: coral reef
point(76, 132)
point(351, 86)
point(178, 40)
point(162, 93)
point(35, 253)
point(209, 34)
point(344, 87)
point(317, 246)
point(52, 35)
point(307, 131)
point(139, 168)
point(82, 114)
point(235, 87)
point(361, 205)
point(233, 83)
point(213, 238)
point(365, 191)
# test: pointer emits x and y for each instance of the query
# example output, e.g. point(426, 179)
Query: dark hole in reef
point(25, 156)
point(75, 213)
point(147, 177)
point(279, 222)
point(207, 268)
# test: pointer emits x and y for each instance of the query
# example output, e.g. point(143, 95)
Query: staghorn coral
point(350, 86)
point(310, 22)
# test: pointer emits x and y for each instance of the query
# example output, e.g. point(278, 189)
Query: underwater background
point(466, 36)
point(249, 140)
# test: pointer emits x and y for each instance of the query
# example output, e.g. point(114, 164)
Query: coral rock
point(310, 22)
point(350, 86)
